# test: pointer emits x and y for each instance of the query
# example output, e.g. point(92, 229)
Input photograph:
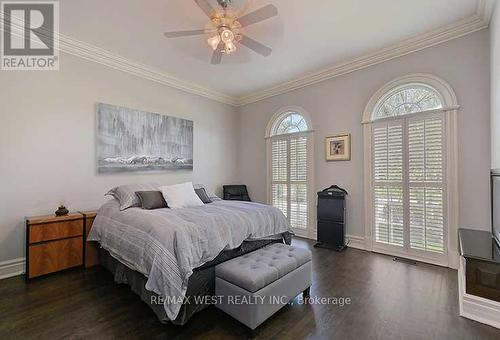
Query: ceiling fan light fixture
point(214, 41)
point(227, 36)
point(226, 25)
point(230, 47)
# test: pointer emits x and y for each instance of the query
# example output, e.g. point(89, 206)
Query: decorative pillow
point(151, 200)
point(125, 194)
point(202, 194)
point(181, 196)
point(213, 197)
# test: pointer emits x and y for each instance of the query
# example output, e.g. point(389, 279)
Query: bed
point(171, 253)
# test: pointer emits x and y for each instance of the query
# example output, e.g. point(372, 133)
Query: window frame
point(281, 118)
point(449, 112)
point(397, 89)
point(277, 117)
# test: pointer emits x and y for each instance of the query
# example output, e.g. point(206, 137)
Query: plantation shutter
point(388, 186)
point(289, 182)
point(298, 182)
point(426, 189)
point(279, 167)
point(408, 182)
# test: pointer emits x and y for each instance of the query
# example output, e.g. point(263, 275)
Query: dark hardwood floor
point(390, 300)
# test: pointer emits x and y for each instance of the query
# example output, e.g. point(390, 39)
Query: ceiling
point(307, 36)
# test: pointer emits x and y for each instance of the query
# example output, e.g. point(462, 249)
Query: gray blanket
point(166, 245)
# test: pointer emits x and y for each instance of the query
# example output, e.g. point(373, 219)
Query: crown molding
point(479, 21)
point(98, 55)
point(485, 9)
point(101, 56)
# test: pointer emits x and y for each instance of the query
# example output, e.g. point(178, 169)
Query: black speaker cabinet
point(331, 218)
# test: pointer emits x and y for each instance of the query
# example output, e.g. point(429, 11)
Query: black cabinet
point(482, 263)
point(331, 216)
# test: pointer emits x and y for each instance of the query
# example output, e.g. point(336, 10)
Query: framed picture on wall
point(338, 147)
point(129, 140)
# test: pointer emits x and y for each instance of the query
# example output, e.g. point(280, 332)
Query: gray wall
point(47, 133)
point(337, 106)
point(47, 140)
point(495, 88)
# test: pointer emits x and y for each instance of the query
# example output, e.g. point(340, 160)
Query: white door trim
point(450, 115)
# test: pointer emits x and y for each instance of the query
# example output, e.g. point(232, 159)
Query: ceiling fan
point(226, 26)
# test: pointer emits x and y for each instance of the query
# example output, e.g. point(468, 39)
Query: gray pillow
point(202, 194)
point(213, 197)
point(152, 200)
point(125, 194)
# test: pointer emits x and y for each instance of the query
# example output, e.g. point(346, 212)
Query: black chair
point(236, 193)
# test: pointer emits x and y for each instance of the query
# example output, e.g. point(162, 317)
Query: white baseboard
point(453, 259)
point(357, 242)
point(474, 307)
point(12, 268)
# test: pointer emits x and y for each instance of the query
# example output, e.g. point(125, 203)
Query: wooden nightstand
point(53, 243)
point(91, 249)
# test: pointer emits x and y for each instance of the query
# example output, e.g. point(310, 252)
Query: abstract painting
point(131, 140)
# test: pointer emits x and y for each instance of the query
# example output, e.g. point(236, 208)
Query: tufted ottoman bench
point(254, 286)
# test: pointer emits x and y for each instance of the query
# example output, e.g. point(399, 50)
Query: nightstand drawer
point(55, 231)
point(54, 256)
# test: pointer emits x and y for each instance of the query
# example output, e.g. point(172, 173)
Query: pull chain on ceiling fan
point(225, 29)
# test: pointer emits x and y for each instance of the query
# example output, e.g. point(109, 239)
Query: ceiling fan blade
point(256, 16)
point(178, 34)
point(255, 46)
point(205, 7)
point(217, 56)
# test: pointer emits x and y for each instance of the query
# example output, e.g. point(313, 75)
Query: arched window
point(409, 98)
point(290, 122)
point(409, 125)
point(289, 145)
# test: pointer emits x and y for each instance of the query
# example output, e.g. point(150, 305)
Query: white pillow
point(181, 196)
